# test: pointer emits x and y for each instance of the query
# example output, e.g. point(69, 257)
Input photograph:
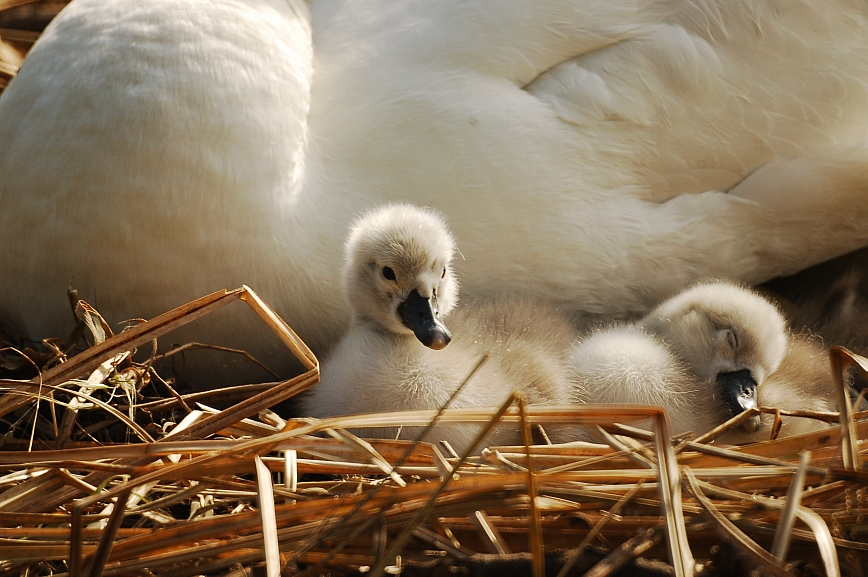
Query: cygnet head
point(731, 338)
point(398, 272)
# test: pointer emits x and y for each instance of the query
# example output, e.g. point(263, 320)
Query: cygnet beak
point(739, 393)
point(421, 316)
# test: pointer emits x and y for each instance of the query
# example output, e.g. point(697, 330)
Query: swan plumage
point(703, 355)
point(401, 286)
point(602, 157)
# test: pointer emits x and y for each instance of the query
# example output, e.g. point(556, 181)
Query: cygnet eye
point(388, 273)
point(444, 273)
point(731, 339)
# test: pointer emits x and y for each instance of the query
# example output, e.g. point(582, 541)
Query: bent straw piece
point(535, 529)
point(733, 422)
point(822, 535)
point(366, 449)
point(841, 359)
point(286, 335)
point(269, 519)
point(669, 486)
point(788, 517)
point(252, 405)
point(631, 453)
point(732, 534)
point(489, 534)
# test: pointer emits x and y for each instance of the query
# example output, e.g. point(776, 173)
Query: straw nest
point(106, 469)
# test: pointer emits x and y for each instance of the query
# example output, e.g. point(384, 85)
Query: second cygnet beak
point(739, 393)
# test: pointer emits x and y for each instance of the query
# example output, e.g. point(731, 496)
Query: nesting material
point(191, 490)
point(241, 490)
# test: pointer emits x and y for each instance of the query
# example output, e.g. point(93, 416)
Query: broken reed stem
point(171, 389)
point(840, 359)
point(535, 528)
point(781, 543)
point(97, 564)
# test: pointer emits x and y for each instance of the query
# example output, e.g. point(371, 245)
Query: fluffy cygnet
point(701, 355)
point(400, 285)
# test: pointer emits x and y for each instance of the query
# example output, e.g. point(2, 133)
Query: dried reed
point(235, 490)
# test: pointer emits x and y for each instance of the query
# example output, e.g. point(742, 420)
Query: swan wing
point(140, 138)
point(705, 93)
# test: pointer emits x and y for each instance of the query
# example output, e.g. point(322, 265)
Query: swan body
point(401, 287)
point(703, 355)
point(161, 150)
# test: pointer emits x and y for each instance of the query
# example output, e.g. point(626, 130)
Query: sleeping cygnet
point(701, 354)
point(400, 284)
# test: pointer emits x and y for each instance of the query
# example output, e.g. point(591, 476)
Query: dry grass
point(100, 481)
point(240, 491)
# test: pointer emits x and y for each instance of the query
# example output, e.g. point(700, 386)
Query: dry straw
point(240, 490)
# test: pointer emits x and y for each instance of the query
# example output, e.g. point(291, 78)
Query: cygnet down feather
point(702, 355)
point(400, 285)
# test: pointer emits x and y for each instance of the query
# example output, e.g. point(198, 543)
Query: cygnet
point(400, 285)
point(701, 354)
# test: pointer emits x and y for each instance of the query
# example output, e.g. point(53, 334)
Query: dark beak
point(421, 316)
point(739, 393)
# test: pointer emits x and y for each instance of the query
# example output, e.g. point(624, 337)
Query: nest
point(240, 491)
point(96, 479)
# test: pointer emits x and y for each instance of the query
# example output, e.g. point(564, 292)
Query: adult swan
point(603, 154)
